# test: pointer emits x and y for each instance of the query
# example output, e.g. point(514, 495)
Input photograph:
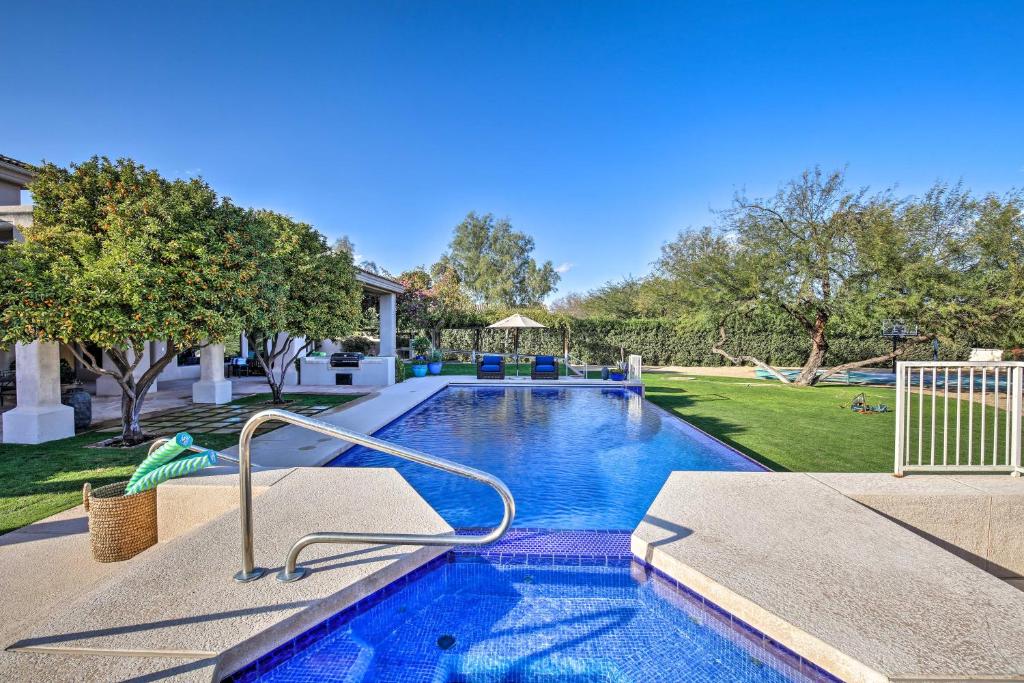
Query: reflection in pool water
point(574, 458)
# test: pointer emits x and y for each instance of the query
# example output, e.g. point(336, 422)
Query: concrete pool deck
point(860, 595)
point(801, 557)
point(177, 602)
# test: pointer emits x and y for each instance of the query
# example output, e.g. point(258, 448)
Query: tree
point(494, 263)
point(627, 298)
point(819, 253)
point(118, 256)
point(432, 300)
point(310, 294)
point(345, 244)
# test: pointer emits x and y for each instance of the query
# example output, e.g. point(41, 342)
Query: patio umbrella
point(516, 322)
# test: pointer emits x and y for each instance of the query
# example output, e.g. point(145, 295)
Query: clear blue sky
point(599, 128)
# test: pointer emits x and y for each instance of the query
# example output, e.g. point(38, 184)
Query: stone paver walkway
point(210, 419)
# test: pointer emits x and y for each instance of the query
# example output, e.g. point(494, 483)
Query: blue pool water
point(574, 458)
point(471, 621)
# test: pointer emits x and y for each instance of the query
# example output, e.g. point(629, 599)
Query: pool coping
point(709, 436)
point(786, 659)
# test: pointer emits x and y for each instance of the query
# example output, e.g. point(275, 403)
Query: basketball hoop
point(898, 331)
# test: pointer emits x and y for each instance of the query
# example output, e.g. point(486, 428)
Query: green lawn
point(41, 480)
point(805, 429)
point(299, 399)
point(784, 427)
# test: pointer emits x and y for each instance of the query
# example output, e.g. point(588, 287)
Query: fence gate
point(961, 416)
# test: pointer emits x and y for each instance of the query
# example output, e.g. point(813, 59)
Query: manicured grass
point(41, 480)
point(799, 429)
point(786, 428)
point(299, 399)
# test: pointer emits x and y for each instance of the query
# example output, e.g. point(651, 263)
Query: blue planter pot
point(419, 371)
point(435, 368)
point(618, 377)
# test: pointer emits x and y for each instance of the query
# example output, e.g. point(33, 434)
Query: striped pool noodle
point(169, 451)
point(178, 468)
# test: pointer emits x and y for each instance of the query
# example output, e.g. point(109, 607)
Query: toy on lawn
point(860, 405)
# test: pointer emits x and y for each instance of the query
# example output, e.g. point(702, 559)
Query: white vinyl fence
point(958, 416)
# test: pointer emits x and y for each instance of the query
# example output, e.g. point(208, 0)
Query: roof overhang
point(16, 172)
point(378, 284)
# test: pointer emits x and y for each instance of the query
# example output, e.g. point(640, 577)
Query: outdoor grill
point(345, 359)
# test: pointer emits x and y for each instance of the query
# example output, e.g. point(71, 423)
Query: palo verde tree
point(118, 256)
point(820, 254)
point(310, 294)
point(791, 252)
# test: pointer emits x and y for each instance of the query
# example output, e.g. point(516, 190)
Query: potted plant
point(419, 367)
point(420, 346)
point(620, 374)
point(435, 363)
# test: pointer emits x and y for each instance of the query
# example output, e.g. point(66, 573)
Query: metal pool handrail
point(290, 572)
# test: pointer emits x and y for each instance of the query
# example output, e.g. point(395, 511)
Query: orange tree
point(309, 293)
point(118, 256)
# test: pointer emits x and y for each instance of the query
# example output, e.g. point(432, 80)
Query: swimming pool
point(463, 620)
point(574, 458)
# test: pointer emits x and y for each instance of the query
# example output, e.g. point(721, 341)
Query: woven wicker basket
point(120, 526)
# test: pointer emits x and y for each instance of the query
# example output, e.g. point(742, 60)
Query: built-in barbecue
point(346, 359)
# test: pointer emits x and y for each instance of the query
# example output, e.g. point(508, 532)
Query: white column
point(388, 325)
point(39, 415)
point(243, 345)
point(108, 386)
point(211, 387)
point(170, 371)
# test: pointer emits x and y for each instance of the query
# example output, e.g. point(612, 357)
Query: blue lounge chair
point(490, 367)
point(544, 367)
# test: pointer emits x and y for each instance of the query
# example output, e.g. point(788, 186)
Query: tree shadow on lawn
point(677, 400)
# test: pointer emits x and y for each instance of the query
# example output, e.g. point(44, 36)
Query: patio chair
point(544, 367)
point(490, 367)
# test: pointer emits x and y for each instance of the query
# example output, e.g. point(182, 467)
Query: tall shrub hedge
point(772, 338)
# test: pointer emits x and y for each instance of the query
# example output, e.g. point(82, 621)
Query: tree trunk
point(740, 360)
point(899, 351)
point(276, 389)
point(133, 394)
point(131, 426)
point(268, 357)
point(819, 347)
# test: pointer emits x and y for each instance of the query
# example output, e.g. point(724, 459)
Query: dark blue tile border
point(534, 547)
point(806, 666)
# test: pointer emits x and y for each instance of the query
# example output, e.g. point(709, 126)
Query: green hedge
point(771, 338)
